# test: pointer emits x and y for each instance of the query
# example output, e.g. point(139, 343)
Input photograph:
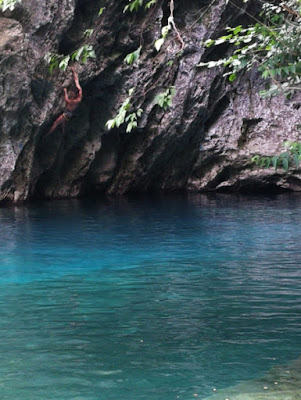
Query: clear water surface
point(147, 298)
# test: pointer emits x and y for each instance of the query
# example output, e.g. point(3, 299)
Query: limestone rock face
point(203, 142)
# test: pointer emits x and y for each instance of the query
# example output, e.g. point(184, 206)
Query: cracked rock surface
point(203, 142)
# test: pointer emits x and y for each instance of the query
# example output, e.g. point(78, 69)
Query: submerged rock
point(203, 142)
point(281, 395)
point(281, 383)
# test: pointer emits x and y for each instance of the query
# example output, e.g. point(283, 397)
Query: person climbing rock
point(72, 102)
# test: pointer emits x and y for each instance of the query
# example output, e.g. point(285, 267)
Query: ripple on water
point(157, 299)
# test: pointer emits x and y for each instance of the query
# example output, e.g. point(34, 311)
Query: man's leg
point(56, 123)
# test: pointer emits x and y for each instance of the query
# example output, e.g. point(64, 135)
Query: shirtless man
point(72, 102)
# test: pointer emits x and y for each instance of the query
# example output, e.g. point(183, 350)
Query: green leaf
point(232, 77)
point(64, 63)
point(172, 90)
point(88, 32)
point(110, 124)
point(285, 163)
point(73, 55)
point(52, 66)
point(158, 44)
point(267, 162)
point(264, 162)
point(292, 68)
point(220, 40)
point(129, 127)
point(126, 106)
point(101, 10)
point(296, 159)
point(133, 57)
point(275, 161)
point(150, 3)
point(255, 159)
point(209, 42)
point(120, 118)
point(244, 63)
point(202, 64)
point(92, 54)
point(129, 58)
point(139, 112)
point(8, 4)
point(273, 73)
point(78, 53)
point(165, 31)
point(237, 29)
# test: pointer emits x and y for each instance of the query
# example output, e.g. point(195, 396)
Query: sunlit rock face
point(203, 142)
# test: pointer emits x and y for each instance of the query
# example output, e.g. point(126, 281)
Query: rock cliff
point(203, 142)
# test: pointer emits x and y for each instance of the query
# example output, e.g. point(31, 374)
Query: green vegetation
point(164, 32)
point(81, 55)
point(123, 116)
point(101, 10)
point(136, 4)
point(271, 44)
point(8, 4)
point(88, 33)
point(133, 57)
point(290, 157)
point(59, 61)
point(164, 99)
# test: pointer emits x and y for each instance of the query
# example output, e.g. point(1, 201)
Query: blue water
point(147, 298)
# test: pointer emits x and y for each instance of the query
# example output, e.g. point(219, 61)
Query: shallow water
point(147, 298)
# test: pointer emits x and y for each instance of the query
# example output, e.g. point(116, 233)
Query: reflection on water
point(147, 298)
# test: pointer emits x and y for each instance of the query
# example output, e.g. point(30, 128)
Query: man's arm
point(66, 95)
point(76, 80)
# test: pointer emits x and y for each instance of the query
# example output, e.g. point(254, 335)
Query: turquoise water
point(147, 298)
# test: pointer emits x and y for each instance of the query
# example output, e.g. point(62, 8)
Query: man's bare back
point(72, 102)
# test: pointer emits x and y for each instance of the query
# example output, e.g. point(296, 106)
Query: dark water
point(147, 298)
